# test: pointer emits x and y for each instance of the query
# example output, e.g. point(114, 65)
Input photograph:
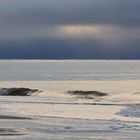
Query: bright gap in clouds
point(111, 34)
point(103, 33)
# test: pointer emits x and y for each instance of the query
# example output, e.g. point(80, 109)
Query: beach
point(69, 99)
point(53, 113)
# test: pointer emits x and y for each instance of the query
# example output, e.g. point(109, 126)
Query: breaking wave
point(29, 92)
point(17, 91)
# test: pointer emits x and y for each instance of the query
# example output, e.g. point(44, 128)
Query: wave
point(36, 92)
point(87, 94)
point(17, 91)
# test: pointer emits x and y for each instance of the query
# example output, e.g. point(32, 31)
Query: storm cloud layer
point(70, 29)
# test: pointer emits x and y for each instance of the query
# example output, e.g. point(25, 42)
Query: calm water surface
point(47, 70)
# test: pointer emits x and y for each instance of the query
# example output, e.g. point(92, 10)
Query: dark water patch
point(14, 117)
point(17, 91)
point(94, 93)
point(71, 103)
point(9, 132)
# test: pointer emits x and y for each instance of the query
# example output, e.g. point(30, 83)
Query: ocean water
point(55, 114)
point(75, 70)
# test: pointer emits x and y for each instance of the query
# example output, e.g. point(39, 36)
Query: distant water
point(49, 70)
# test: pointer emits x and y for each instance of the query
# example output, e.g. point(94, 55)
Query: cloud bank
point(108, 29)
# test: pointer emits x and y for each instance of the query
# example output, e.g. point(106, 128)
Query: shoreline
point(55, 114)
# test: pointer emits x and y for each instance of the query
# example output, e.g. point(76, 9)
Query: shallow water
point(55, 115)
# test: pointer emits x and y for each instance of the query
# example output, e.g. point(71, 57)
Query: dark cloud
point(67, 49)
point(120, 12)
point(56, 29)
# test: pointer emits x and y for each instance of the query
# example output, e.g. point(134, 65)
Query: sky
point(70, 29)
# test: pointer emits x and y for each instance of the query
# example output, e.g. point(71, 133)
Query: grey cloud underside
point(67, 49)
point(118, 12)
point(56, 29)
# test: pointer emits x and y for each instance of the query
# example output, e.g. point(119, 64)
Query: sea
point(69, 70)
point(106, 106)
